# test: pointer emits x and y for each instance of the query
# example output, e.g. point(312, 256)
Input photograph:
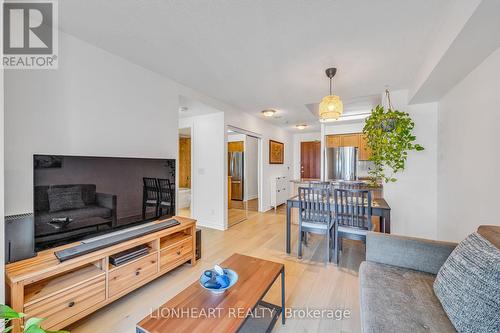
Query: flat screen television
point(80, 197)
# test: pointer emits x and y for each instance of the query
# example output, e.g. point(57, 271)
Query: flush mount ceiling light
point(183, 109)
point(331, 107)
point(268, 112)
point(301, 126)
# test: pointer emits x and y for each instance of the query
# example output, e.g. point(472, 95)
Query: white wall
point(208, 166)
point(236, 137)
point(94, 104)
point(413, 198)
point(468, 182)
point(297, 139)
point(251, 181)
point(354, 127)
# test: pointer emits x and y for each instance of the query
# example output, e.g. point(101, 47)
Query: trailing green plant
point(389, 135)
point(31, 325)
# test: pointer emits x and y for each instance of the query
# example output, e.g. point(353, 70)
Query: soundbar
point(99, 244)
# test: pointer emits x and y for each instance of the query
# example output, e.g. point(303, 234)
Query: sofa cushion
point(65, 198)
point(399, 300)
point(468, 285)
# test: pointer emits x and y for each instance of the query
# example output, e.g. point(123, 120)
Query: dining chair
point(315, 216)
point(353, 216)
point(166, 196)
point(150, 195)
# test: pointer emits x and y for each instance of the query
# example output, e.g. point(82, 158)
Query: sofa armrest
point(106, 200)
point(407, 252)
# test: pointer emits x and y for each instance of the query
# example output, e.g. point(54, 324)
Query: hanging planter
point(388, 125)
point(389, 135)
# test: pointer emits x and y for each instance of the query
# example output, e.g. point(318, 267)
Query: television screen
point(77, 197)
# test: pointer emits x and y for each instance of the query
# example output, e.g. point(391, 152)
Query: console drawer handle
point(178, 253)
point(137, 273)
point(71, 304)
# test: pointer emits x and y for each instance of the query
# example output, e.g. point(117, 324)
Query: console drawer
point(68, 303)
point(124, 277)
point(174, 253)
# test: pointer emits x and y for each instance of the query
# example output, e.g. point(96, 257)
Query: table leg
point(288, 226)
point(283, 296)
point(387, 221)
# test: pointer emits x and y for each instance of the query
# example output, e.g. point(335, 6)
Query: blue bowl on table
point(231, 275)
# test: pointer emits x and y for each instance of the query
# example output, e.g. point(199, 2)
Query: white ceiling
point(257, 54)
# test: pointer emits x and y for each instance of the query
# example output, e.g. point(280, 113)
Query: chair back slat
point(353, 208)
point(165, 188)
point(150, 188)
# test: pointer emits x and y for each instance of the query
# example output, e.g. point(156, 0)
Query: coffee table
point(196, 309)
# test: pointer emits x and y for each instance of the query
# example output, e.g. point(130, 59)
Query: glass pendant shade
point(330, 108)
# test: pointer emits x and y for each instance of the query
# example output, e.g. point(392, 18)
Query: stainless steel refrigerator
point(235, 167)
point(341, 163)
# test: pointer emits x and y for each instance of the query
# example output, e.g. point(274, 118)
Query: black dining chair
point(150, 195)
point(166, 196)
point(353, 216)
point(315, 216)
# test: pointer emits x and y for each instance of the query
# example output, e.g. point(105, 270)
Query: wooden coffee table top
point(256, 276)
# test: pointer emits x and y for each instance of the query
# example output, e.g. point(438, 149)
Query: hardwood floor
point(252, 205)
point(309, 283)
point(241, 210)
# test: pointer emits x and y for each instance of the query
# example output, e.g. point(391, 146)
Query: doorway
point(310, 160)
point(184, 199)
point(243, 176)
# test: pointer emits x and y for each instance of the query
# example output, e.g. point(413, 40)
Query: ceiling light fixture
point(301, 126)
point(331, 107)
point(268, 112)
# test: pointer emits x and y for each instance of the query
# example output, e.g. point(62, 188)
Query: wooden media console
point(64, 292)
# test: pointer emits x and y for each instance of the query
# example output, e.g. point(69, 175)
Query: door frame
point(260, 162)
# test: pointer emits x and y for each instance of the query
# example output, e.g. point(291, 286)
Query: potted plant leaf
point(390, 137)
point(31, 325)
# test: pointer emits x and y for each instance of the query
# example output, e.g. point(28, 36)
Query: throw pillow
point(468, 286)
point(64, 198)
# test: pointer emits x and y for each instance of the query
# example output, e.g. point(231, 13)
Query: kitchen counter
point(307, 181)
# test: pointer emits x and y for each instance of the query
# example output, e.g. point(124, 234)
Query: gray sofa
point(96, 205)
point(396, 283)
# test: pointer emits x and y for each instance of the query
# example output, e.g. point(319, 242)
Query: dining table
point(380, 208)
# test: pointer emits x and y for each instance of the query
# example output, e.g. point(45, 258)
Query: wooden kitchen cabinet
point(342, 140)
point(332, 141)
point(364, 151)
point(350, 140)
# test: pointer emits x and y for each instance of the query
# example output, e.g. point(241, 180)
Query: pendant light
point(331, 107)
